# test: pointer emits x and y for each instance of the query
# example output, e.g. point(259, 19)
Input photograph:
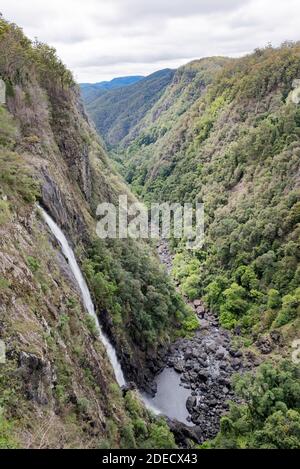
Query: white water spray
point(88, 303)
point(86, 296)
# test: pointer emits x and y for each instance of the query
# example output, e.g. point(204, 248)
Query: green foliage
point(190, 287)
point(90, 323)
point(33, 264)
point(270, 417)
point(7, 441)
point(8, 132)
point(64, 323)
point(16, 180)
point(60, 393)
point(206, 122)
point(290, 309)
point(127, 437)
point(4, 284)
point(190, 324)
point(83, 404)
point(147, 433)
point(241, 160)
point(50, 67)
point(129, 284)
point(160, 437)
point(274, 300)
point(5, 214)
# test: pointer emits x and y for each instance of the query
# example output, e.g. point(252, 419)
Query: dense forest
point(226, 132)
point(236, 149)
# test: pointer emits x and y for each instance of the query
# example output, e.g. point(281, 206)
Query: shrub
point(190, 287)
point(274, 300)
point(290, 309)
point(33, 264)
point(8, 131)
point(191, 323)
point(16, 178)
point(90, 323)
point(7, 440)
point(5, 214)
point(127, 437)
point(160, 436)
point(4, 284)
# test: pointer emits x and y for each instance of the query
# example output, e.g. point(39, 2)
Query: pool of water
point(171, 396)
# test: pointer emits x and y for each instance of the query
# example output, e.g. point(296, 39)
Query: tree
point(269, 417)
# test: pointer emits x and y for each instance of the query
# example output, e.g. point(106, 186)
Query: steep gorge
point(222, 132)
point(225, 133)
point(57, 387)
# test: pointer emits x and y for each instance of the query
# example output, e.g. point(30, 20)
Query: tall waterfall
point(86, 296)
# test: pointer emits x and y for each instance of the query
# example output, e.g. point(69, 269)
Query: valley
point(224, 132)
point(128, 343)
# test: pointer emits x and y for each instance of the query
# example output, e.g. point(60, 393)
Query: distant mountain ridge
point(91, 91)
point(118, 110)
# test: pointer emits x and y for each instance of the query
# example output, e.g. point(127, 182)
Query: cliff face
point(57, 388)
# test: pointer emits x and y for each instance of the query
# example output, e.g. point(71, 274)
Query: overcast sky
point(102, 39)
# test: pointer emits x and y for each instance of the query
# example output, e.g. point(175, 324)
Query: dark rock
point(188, 354)
point(220, 353)
point(179, 366)
point(184, 434)
point(224, 366)
point(200, 312)
point(130, 386)
point(191, 402)
point(276, 337)
point(197, 303)
point(236, 364)
point(204, 324)
point(265, 345)
point(202, 356)
point(203, 376)
point(38, 377)
point(189, 365)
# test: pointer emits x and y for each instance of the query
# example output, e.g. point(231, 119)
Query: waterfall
point(85, 293)
point(89, 305)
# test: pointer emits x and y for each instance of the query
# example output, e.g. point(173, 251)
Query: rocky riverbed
point(205, 365)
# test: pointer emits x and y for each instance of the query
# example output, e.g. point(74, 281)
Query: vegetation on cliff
point(236, 149)
point(57, 388)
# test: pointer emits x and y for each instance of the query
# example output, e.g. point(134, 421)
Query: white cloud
point(100, 39)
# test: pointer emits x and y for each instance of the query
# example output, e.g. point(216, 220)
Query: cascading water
point(86, 296)
point(89, 305)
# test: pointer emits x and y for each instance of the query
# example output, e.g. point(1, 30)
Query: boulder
point(191, 402)
point(179, 366)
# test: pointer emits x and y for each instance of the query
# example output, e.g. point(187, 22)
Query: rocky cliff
point(57, 387)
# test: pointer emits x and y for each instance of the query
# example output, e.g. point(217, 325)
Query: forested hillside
point(117, 111)
point(235, 148)
point(91, 91)
point(226, 132)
